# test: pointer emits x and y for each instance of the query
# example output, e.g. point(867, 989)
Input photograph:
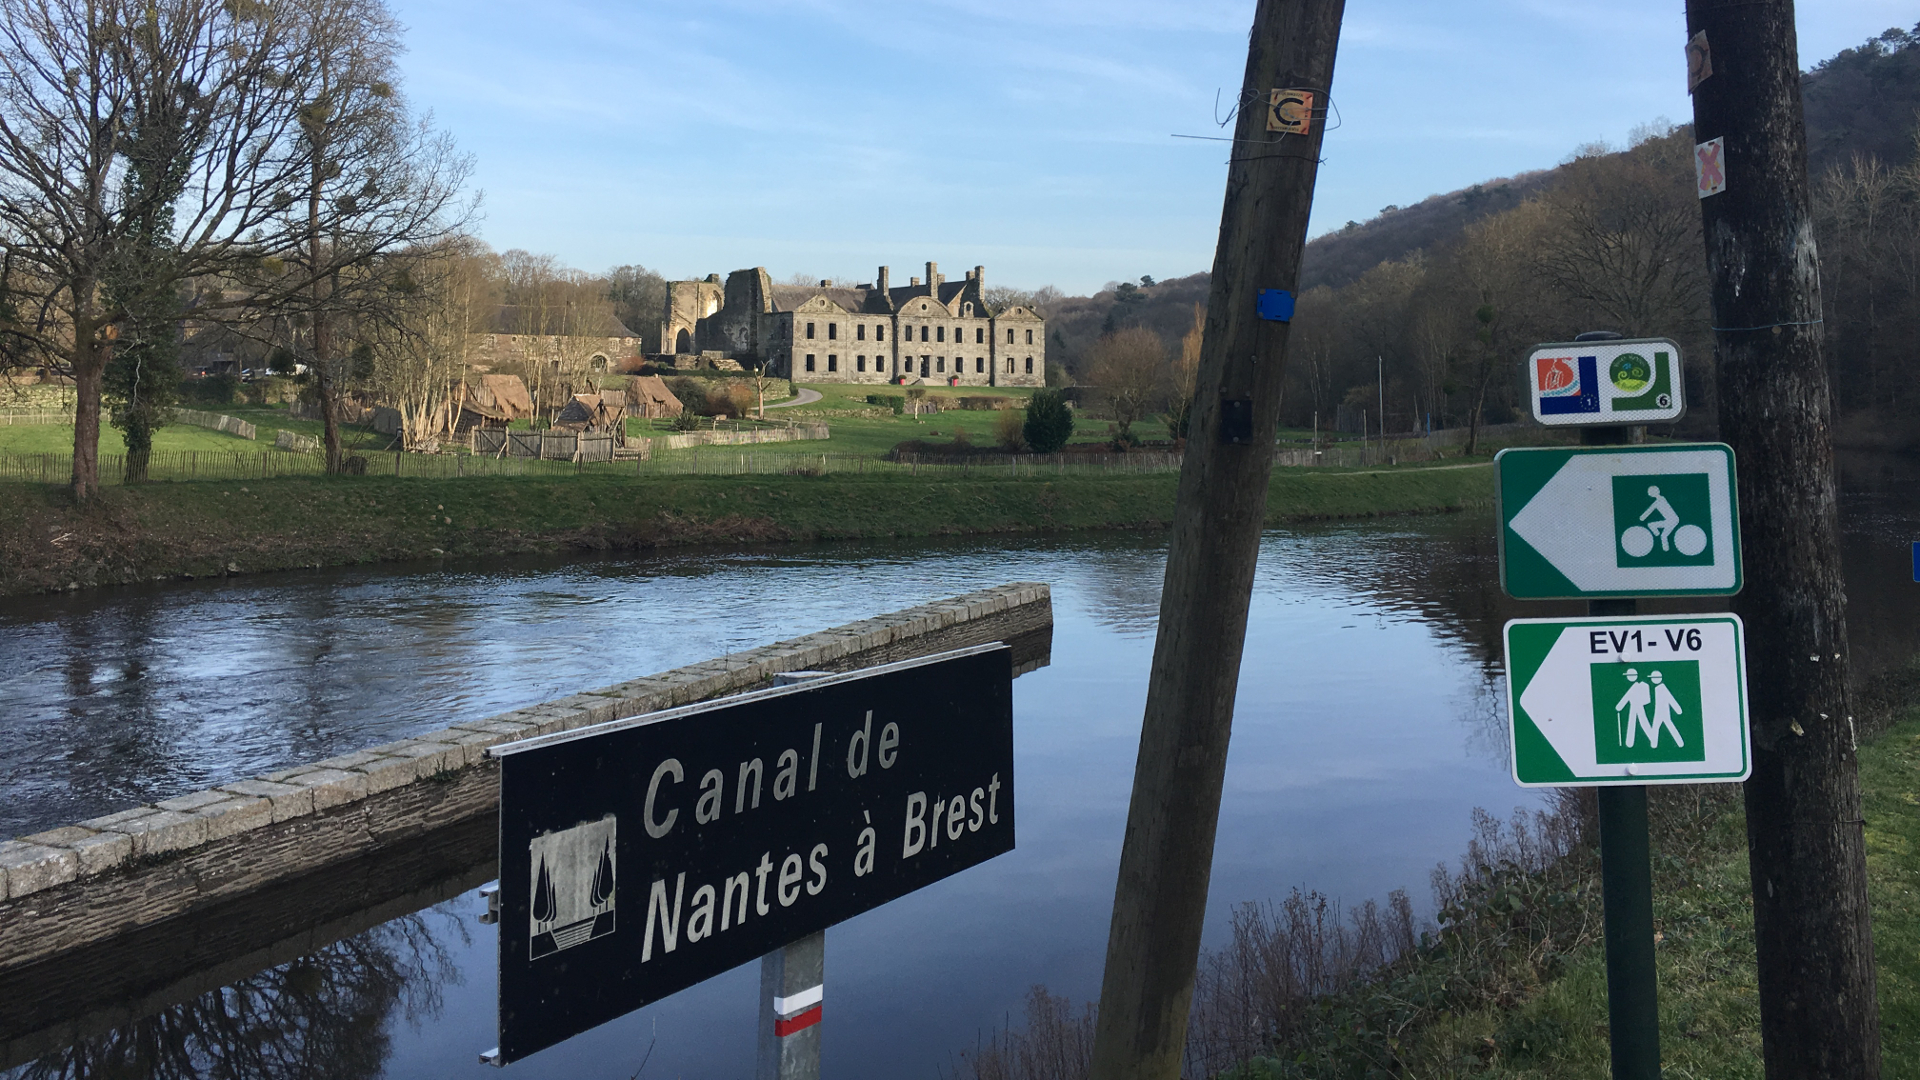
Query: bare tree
point(1185, 370)
point(376, 185)
point(79, 80)
point(1129, 368)
point(1623, 237)
point(421, 358)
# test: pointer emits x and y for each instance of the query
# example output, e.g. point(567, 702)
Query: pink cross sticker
point(1709, 171)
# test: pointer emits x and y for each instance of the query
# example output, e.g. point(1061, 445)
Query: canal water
point(1370, 725)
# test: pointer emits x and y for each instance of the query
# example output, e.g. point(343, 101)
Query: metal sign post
point(792, 992)
point(641, 856)
point(1614, 709)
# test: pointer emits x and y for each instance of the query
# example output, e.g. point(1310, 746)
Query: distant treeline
point(1437, 303)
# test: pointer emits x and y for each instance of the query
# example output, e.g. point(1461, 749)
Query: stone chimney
point(980, 280)
point(823, 284)
point(880, 280)
point(933, 280)
point(915, 282)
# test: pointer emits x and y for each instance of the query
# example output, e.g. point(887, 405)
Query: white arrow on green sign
point(1581, 522)
point(1636, 700)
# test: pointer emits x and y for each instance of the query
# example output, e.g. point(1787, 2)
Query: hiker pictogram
point(1630, 712)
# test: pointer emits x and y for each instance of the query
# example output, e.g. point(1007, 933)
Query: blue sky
point(1032, 136)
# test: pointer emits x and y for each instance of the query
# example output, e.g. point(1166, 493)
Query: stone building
point(930, 330)
point(555, 344)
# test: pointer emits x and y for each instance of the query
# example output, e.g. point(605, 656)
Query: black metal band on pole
point(1626, 886)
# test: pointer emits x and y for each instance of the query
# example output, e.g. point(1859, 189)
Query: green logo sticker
point(1630, 372)
point(1647, 712)
point(1662, 519)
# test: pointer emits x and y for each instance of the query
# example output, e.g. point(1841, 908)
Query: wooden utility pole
point(1818, 1013)
point(1167, 856)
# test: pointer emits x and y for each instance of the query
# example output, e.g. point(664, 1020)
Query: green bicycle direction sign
point(1581, 522)
point(1645, 699)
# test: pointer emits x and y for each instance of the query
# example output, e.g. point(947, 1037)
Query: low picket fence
point(232, 425)
point(35, 418)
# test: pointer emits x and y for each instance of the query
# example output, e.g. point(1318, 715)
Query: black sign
point(642, 856)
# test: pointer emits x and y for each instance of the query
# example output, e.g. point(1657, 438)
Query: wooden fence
point(593, 446)
point(297, 443)
point(35, 418)
point(216, 421)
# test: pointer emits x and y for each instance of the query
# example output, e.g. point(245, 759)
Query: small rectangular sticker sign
point(1710, 166)
point(1622, 381)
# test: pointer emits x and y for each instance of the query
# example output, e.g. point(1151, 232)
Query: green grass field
point(268, 421)
point(58, 439)
point(200, 527)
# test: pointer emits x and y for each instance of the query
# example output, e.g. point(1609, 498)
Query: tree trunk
point(329, 416)
point(139, 439)
point(1166, 859)
point(1819, 1016)
point(89, 369)
point(1473, 420)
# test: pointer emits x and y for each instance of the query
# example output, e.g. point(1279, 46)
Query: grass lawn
point(58, 439)
point(271, 420)
point(201, 527)
point(874, 435)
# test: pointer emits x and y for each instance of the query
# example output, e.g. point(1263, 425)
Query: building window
point(809, 331)
point(880, 333)
point(923, 333)
point(967, 310)
point(940, 365)
point(1009, 335)
point(859, 363)
point(860, 332)
point(833, 363)
point(979, 335)
point(979, 365)
point(923, 367)
point(1029, 337)
point(940, 334)
point(809, 361)
point(833, 331)
point(1009, 365)
point(1029, 365)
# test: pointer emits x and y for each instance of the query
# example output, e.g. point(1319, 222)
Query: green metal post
point(1626, 887)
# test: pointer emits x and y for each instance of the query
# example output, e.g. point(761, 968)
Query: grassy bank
point(1511, 983)
point(1513, 986)
point(211, 528)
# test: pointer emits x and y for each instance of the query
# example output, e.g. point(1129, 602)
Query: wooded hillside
point(1440, 300)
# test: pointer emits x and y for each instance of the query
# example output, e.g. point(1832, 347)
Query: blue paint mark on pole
point(1275, 305)
point(1916, 560)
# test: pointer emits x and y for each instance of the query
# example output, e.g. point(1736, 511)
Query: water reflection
point(325, 1016)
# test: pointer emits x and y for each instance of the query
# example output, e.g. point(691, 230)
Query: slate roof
point(509, 319)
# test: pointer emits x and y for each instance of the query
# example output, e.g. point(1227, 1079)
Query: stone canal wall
point(84, 883)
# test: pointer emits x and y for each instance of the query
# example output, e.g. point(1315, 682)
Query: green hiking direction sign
point(1583, 522)
point(1645, 699)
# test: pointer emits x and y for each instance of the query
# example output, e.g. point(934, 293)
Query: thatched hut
point(592, 412)
point(648, 398)
point(495, 401)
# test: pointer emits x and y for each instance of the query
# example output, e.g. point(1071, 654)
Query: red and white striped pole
point(792, 985)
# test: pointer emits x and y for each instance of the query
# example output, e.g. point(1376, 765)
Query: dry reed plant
point(1261, 990)
point(1056, 1044)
